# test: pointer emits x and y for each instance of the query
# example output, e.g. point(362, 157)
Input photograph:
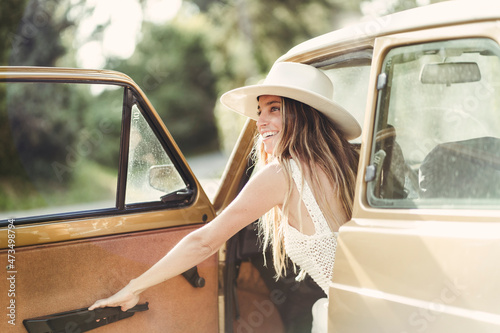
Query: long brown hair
point(313, 141)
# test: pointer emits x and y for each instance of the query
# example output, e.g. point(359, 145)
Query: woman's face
point(269, 123)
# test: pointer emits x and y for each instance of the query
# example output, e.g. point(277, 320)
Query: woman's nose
point(262, 120)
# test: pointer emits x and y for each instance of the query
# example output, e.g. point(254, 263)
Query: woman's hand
point(124, 298)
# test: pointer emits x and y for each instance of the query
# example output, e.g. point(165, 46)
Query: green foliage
point(30, 33)
point(256, 33)
point(38, 119)
point(100, 111)
point(90, 184)
point(63, 143)
point(36, 41)
point(10, 165)
point(11, 13)
point(172, 67)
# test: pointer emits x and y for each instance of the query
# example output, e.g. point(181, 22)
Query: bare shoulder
point(265, 190)
point(272, 175)
point(271, 169)
point(267, 185)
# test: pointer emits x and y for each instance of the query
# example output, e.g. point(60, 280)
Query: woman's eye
point(275, 108)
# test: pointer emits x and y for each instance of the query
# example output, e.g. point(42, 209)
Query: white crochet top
point(314, 254)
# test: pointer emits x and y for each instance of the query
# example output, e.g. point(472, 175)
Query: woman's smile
point(266, 135)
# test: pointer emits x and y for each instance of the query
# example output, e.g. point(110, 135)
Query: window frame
point(382, 46)
point(131, 96)
point(174, 158)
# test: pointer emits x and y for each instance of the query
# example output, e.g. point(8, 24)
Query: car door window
point(150, 173)
point(436, 140)
point(350, 76)
point(60, 148)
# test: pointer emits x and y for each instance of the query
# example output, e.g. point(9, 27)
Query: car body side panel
point(70, 275)
point(421, 276)
point(415, 270)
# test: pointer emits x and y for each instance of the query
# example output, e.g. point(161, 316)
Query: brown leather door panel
point(70, 275)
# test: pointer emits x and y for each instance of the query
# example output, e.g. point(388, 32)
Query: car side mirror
point(165, 178)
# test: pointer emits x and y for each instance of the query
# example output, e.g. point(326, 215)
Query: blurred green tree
point(37, 42)
point(33, 40)
point(172, 66)
point(11, 13)
point(248, 36)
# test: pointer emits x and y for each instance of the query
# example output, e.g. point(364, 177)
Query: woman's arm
point(264, 191)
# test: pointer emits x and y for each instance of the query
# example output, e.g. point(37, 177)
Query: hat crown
point(300, 76)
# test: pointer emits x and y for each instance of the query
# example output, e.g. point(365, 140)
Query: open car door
point(95, 191)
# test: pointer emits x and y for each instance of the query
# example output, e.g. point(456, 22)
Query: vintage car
point(418, 255)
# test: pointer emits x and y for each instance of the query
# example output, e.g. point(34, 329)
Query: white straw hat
point(303, 83)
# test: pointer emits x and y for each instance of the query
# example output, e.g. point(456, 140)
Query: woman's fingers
point(129, 305)
point(98, 304)
point(121, 299)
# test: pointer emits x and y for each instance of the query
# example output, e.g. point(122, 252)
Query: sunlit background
point(183, 53)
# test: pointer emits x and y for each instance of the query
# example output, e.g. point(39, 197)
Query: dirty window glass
point(59, 148)
point(350, 88)
point(151, 174)
point(437, 131)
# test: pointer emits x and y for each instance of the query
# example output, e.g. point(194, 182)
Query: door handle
point(194, 278)
point(81, 320)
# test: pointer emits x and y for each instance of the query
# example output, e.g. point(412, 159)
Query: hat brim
point(244, 101)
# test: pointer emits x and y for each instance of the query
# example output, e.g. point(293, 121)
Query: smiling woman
point(305, 189)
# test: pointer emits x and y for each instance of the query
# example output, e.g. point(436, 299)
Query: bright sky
point(122, 34)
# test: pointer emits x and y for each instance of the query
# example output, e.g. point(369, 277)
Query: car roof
point(436, 15)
